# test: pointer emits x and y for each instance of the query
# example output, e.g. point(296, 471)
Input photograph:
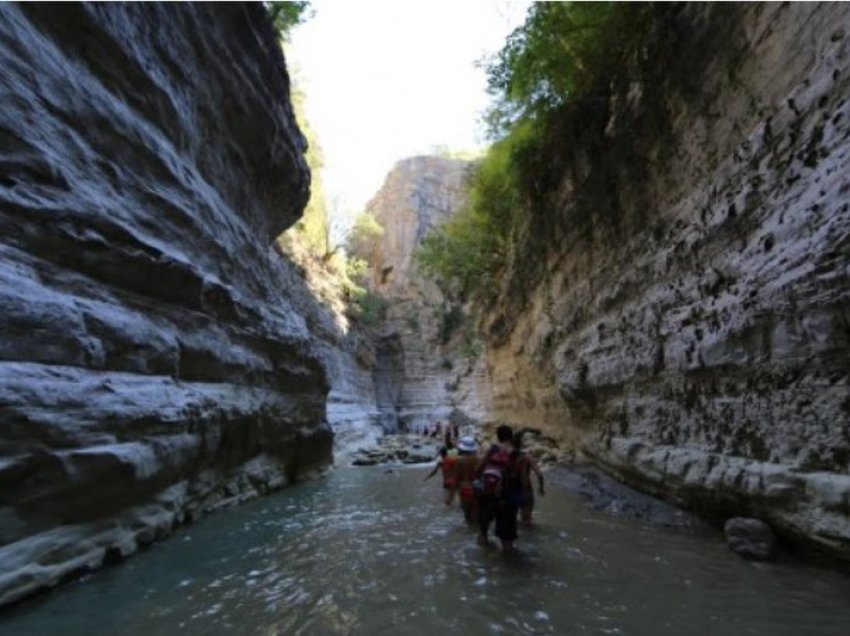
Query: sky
point(389, 79)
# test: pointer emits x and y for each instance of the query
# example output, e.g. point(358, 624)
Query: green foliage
point(558, 54)
point(451, 320)
point(313, 228)
point(467, 253)
point(356, 270)
point(286, 15)
point(471, 347)
point(364, 306)
point(555, 59)
point(367, 307)
point(364, 237)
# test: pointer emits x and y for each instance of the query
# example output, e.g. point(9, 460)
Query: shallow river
point(364, 552)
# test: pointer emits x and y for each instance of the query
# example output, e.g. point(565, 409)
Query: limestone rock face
point(417, 195)
point(352, 407)
point(156, 358)
point(427, 365)
point(700, 348)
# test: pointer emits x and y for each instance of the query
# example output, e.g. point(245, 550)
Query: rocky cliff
point(693, 336)
point(426, 365)
point(157, 358)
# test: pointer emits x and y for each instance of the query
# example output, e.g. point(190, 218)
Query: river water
point(362, 551)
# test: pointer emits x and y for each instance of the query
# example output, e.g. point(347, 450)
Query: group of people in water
point(437, 428)
point(493, 486)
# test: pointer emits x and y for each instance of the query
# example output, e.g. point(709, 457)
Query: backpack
point(497, 477)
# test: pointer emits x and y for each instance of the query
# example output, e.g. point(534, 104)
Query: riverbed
point(365, 551)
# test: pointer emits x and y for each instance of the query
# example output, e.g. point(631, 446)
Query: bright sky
point(388, 79)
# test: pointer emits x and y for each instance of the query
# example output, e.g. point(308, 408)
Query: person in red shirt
point(446, 464)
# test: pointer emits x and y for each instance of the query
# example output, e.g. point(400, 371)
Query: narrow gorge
point(672, 308)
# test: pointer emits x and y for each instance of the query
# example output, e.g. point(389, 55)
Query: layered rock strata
point(427, 367)
point(352, 406)
point(699, 348)
point(157, 358)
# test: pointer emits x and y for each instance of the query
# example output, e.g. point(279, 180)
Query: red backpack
point(496, 471)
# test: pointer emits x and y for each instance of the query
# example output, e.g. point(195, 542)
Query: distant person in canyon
point(436, 430)
point(497, 490)
point(525, 465)
point(465, 476)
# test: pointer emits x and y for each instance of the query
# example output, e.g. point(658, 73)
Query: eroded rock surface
point(157, 358)
point(698, 346)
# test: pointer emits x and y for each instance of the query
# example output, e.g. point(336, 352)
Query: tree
point(286, 15)
point(560, 51)
point(363, 239)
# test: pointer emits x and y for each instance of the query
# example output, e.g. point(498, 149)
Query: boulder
point(751, 538)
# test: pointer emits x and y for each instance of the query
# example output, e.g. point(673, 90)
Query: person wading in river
point(465, 476)
point(446, 463)
point(498, 484)
point(525, 465)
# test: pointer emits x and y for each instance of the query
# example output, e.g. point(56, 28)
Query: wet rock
point(751, 538)
point(600, 492)
point(401, 448)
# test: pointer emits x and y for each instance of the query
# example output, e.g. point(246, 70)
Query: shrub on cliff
point(467, 253)
point(286, 15)
point(313, 228)
point(556, 57)
point(558, 54)
point(364, 238)
point(582, 95)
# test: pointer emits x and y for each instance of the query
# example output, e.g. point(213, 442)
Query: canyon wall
point(426, 367)
point(696, 340)
point(157, 358)
point(352, 407)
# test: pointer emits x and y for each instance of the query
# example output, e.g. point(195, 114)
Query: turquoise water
point(364, 552)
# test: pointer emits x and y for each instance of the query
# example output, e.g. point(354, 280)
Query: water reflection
point(364, 552)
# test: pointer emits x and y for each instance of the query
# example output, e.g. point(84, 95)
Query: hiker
point(446, 463)
point(497, 487)
point(465, 476)
point(448, 440)
point(525, 465)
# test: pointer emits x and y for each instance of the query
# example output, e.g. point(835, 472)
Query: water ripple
point(365, 553)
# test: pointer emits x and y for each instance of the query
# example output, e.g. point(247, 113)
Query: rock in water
point(157, 358)
point(751, 538)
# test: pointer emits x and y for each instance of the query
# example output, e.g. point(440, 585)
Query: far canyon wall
point(424, 369)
